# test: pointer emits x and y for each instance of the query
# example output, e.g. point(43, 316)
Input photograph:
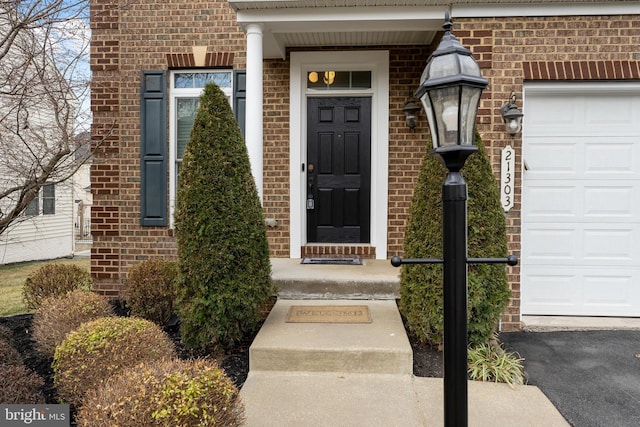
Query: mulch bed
point(427, 362)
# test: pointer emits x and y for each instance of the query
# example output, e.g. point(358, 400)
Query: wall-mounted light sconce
point(512, 116)
point(410, 110)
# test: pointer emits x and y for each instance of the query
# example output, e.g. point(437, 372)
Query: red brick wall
point(130, 37)
point(514, 50)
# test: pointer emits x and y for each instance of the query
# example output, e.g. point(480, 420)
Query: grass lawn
point(12, 279)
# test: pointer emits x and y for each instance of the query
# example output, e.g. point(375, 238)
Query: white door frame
point(376, 61)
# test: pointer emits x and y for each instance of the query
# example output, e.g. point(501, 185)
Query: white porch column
point(253, 131)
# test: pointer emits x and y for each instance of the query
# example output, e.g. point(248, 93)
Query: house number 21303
point(507, 177)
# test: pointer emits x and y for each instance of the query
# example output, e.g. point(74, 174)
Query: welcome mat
point(328, 314)
point(335, 261)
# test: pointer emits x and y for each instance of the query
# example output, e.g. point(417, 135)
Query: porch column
point(253, 131)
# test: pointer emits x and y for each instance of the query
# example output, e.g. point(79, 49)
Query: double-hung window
point(184, 91)
point(46, 199)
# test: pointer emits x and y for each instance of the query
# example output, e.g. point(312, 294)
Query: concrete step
point(374, 279)
point(380, 347)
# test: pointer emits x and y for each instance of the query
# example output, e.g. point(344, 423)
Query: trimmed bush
point(222, 243)
point(102, 348)
point(151, 290)
point(421, 285)
point(8, 354)
point(54, 280)
point(58, 315)
point(20, 385)
point(164, 393)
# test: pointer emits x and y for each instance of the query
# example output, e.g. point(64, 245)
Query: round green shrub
point(421, 285)
point(54, 279)
point(164, 393)
point(8, 354)
point(60, 314)
point(222, 243)
point(102, 348)
point(20, 385)
point(151, 290)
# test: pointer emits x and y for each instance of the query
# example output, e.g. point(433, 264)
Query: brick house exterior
point(514, 45)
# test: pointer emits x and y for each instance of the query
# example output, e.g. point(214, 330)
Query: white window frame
point(174, 95)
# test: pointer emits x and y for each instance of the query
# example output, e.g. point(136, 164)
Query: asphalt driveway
point(592, 377)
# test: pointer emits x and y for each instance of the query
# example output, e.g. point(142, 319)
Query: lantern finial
point(447, 21)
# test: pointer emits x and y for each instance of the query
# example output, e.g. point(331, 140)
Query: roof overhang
point(307, 23)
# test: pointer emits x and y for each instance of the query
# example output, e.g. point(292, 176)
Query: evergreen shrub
point(60, 314)
point(421, 285)
point(222, 243)
point(164, 393)
point(102, 348)
point(151, 290)
point(54, 279)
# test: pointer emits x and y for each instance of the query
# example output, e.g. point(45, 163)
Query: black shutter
point(240, 97)
point(153, 149)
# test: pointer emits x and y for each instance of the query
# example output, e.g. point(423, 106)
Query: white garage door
point(581, 200)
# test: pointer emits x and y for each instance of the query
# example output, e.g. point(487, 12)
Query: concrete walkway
point(337, 374)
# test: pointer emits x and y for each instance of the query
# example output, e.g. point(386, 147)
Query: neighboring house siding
point(43, 236)
point(127, 41)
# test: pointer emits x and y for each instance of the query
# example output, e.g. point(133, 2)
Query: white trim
point(378, 62)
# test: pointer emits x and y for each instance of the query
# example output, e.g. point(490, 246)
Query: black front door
point(338, 170)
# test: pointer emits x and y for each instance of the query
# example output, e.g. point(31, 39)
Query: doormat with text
point(334, 261)
point(328, 314)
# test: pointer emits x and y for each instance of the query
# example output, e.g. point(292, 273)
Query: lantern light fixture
point(411, 109)
point(512, 116)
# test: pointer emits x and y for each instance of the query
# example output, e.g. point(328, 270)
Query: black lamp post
point(450, 90)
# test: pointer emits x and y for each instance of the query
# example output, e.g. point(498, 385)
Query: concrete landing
point(375, 279)
point(378, 347)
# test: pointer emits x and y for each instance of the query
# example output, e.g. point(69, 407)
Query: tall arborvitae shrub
point(421, 285)
point(222, 243)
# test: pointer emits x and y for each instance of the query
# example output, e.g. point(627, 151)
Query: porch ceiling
point(306, 23)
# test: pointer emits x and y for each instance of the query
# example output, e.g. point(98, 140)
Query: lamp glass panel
point(445, 111)
point(443, 66)
point(470, 97)
point(426, 103)
point(469, 66)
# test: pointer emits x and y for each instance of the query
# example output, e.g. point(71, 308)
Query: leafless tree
point(44, 88)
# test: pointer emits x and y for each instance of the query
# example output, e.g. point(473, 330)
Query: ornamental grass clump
point(222, 242)
point(491, 363)
point(60, 314)
point(164, 393)
point(54, 280)
point(102, 348)
point(421, 285)
point(151, 290)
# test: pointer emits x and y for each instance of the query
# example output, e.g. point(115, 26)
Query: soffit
point(307, 23)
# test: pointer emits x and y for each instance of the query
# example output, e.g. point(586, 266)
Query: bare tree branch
point(44, 88)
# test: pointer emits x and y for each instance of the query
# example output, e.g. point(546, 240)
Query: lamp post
point(450, 90)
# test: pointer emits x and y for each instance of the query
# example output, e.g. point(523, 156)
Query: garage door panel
point(544, 158)
point(552, 245)
point(609, 246)
point(551, 202)
point(607, 157)
point(581, 292)
point(611, 202)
